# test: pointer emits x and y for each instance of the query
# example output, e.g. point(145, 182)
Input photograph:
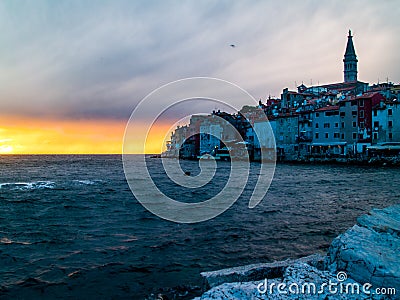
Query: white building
point(210, 134)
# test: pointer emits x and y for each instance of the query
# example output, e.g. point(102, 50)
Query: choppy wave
point(88, 182)
point(71, 228)
point(23, 186)
point(46, 184)
point(6, 240)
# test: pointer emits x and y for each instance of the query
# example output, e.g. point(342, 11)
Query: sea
point(70, 226)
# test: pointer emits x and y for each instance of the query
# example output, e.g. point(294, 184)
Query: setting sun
point(6, 149)
point(39, 136)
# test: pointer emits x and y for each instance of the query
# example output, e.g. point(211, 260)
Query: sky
point(71, 72)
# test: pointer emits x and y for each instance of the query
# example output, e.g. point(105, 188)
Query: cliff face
point(362, 263)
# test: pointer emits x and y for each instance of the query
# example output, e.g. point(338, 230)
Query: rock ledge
point(365, 257)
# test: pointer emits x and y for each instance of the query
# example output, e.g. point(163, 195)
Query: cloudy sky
point(82, 63)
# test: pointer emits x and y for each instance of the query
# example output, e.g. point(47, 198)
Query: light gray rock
point(300, 281)
point(370, 251)
point(256, 271)
point(368, 255)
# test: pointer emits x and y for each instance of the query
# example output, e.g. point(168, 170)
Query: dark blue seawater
point(71, 228)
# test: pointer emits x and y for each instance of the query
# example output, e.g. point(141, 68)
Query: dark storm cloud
point(81, 59)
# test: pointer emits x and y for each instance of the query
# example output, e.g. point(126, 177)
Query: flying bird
point(233, 46)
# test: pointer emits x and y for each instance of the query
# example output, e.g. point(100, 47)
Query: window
point(354, 124)
point(317, 115)
point(342, 114)
point(375, 113)
point(376, 124)
point(390, 123)
point(342, 124)
point(342, 136)
point(316, 125)
point(354, 135)
point(354, 113)
point(327, 125)
point(317, 135)
point(336, 125)
point(375, 135)
point(361, 103)
point(390, 112)
point(327, 135)
point(390, 135)
point(361, 113)
point(362, 125)
point(336, 135)
point(353, 102)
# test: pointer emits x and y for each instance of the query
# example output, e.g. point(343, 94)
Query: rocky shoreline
point(362, 263)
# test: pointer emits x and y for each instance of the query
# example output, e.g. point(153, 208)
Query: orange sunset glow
point(35, 136)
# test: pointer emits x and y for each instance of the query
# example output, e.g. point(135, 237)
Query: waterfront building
point(330, 120)
point(286, 133)
point(178, 137)
point(356, 121)
point(210, 134)
point(264, 140)
point(348, 124)
point(365, 103)
point(386, 122)
point(305, 130)
point(327, 139)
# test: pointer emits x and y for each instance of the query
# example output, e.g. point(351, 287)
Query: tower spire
point(350, 61)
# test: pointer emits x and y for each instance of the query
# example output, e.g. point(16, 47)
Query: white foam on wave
point(88, 182)
point(7, 241)
point(28, 185)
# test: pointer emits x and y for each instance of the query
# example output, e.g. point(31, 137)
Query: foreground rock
point(257, 271)
point(362, 263)
point(299, 281)
point(370, 250)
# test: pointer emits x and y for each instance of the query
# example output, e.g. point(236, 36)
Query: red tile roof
point(326, 108)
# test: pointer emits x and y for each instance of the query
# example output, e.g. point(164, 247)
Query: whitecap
point(28, 185)
point(6, 240)
point(88, 182)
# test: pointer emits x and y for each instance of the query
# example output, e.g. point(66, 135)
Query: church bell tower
point(350, 61)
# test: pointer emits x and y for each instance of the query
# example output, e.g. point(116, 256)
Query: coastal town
point(346, 121)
